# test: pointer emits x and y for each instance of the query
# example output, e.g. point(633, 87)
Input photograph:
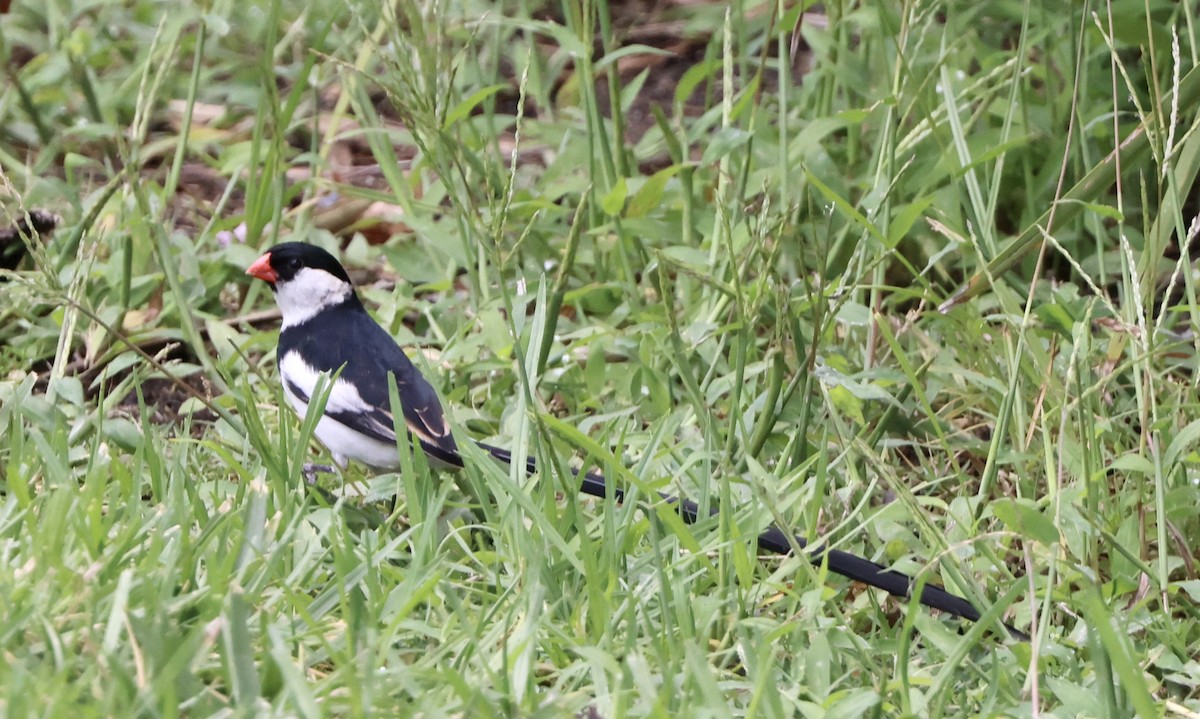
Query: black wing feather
point(345, 337)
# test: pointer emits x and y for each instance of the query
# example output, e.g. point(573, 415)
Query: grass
point(928, 298)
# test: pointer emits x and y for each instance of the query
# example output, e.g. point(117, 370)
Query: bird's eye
point(294, 263)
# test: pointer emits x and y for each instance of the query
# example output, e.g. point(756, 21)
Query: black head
point(283, 261)
point(306, 280)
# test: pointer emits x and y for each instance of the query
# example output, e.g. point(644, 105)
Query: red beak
point(262, 269)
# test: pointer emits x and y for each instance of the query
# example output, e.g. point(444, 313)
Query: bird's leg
point(310, 471)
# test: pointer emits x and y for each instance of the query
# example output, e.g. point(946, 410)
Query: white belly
point(345, 443)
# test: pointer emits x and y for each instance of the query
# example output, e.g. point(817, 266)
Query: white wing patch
point(343, 397)
point(344, 442)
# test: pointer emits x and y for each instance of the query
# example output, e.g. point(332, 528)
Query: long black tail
point(776, 540)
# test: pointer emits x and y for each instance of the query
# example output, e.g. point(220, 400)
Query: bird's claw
point(310, 471)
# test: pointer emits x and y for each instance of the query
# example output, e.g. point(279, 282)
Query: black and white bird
point(327, 331)
point(326, 328)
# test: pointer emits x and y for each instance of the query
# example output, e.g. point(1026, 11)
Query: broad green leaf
point(843, 205)
point(1182, 444)
point(614, 200)
point(723, 142)
point(467, 106)
point(1024, 518)
point(650, 194)
point(905, 218)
